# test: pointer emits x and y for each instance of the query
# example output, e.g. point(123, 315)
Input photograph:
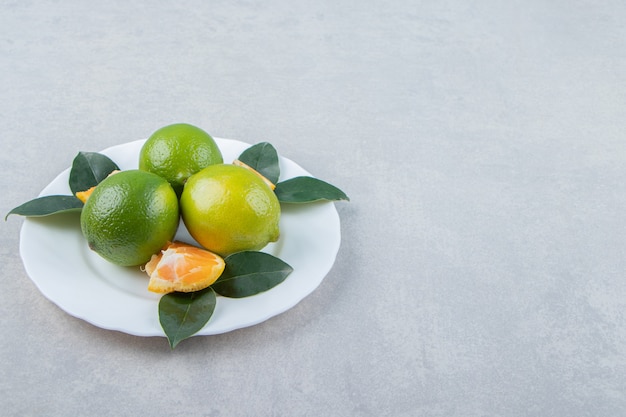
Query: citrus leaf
point(263, 158)
point(44, 206)
point(248, 273)
point(183, 314)
point(306, 190)
point(88, 169)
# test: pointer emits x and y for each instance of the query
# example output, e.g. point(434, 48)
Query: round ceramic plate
point(66, 271)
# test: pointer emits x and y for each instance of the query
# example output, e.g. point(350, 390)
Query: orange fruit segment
point(183, 268)
point(84, 195)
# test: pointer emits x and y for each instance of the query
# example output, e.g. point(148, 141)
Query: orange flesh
point(84, 195)
point(182, 267)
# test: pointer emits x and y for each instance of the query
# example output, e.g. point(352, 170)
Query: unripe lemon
point(228, 209)
point(130, 216)
point(177, 151)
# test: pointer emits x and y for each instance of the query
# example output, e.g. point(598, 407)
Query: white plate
point(67, 272)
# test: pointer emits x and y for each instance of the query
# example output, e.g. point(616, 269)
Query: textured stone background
point(483, 145)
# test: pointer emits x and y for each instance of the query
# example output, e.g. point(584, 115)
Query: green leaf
point(47, 205)
point(248, 273)
point(306, 190)
point(183, 314)
point(263, 158)
point(88, 169)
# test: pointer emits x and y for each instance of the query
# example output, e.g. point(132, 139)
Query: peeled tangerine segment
point(184, 268)
point(84, 195)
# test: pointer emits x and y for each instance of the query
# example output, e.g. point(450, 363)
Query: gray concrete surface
point(483, 145)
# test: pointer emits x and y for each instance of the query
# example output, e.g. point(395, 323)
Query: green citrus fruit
point(177, 151)
point(228, 209)
point(130, 216)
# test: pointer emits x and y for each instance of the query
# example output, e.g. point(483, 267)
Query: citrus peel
point(265, 180)
point(227, 208)
point(184, 268)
